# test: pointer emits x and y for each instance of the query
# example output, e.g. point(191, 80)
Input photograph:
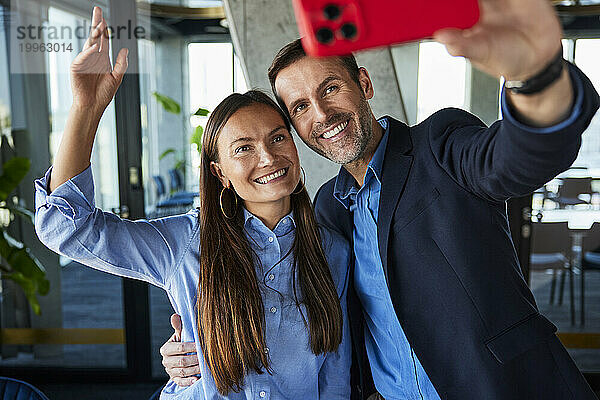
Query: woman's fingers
point(187, 363)
point(176, 324)
point(97, 28)
point(96, 16)
point(183, 373)
point(104, 37)
point(171, 348)
point(183, 382)
point(120, 65)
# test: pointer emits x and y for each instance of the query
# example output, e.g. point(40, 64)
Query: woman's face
point(257, 156)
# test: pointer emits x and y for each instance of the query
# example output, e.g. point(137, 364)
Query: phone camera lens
point(331, 12)
point(324, 35)
point(348, 31)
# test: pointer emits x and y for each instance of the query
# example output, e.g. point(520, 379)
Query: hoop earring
point(301, 181)
point(221, 203)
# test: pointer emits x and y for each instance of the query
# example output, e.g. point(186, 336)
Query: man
point(439, 308)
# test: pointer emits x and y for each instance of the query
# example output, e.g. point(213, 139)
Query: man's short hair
point(293, 52)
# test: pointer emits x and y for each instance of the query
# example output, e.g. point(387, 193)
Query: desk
point(577, 219)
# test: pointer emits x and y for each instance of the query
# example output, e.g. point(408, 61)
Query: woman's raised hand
point(94, 81)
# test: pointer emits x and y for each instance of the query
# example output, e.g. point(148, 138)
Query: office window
point(5, 124)
point(441, 80)
point(214, 73)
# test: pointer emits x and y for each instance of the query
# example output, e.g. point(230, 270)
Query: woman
point(247, 270)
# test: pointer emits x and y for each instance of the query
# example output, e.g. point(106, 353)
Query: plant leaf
point(202, 112)
point(166, 153)
point(180, 165)
point(5, 248)
point(197, 136)
point(168, 103)
point(29, 288)
point(21, 261)
point(13, 172)
point(43, 286)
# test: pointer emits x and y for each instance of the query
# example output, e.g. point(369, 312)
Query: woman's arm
point(67, 222)
point(66, 219)
point(94, 83)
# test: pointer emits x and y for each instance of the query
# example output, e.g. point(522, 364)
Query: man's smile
point(335, 131)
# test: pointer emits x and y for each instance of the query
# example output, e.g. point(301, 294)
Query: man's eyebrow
point(326, 82)
point(321, 86)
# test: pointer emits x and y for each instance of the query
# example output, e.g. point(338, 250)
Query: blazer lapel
point(396, 166)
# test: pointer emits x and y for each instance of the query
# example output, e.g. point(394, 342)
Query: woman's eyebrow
point(242, 139)
point(280, 127)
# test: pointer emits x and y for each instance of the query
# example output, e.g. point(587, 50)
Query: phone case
point(338, 27)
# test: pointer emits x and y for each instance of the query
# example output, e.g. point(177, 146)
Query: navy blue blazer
point(450, 264)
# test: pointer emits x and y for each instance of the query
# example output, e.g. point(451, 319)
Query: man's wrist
point(540, 81)
point(547, 108)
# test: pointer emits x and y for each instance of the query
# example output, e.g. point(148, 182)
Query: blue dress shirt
point(397, 372)
point(165, 253)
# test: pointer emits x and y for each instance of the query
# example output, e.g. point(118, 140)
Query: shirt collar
point(345, 189)
point(253, 224)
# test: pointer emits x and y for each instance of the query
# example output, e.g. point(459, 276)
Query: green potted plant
point(173, 107)
point(17, 263)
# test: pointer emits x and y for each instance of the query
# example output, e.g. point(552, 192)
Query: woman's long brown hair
point(231, 316)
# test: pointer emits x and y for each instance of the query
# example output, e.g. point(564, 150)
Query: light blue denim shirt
point(165, 253)
point(397, 372)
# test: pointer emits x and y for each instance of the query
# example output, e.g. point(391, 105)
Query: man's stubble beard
point(355, 150)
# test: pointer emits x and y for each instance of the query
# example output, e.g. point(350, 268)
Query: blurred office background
point(95, 328)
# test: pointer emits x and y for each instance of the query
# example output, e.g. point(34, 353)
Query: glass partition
point(565, 241)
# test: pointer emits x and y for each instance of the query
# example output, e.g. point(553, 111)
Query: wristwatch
point(540, 81)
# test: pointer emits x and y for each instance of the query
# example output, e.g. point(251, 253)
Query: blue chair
point(176, 180)
point(14, 389)
point(168, 201)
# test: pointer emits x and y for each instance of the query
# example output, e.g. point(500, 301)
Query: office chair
point(14, 389)
point(550, 249)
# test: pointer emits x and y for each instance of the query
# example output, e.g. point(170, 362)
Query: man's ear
point(216, 170)
point(365, 83)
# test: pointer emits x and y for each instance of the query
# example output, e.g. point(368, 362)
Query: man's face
point(328, 109)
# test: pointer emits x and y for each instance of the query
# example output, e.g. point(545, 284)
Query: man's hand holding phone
point(514, 39)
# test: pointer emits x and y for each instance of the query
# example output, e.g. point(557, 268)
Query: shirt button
point(266, 350)
point(271, 239)
point(271, 277)
point(273, 310)
point(262, 393)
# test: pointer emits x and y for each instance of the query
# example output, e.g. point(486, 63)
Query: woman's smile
point(273, 177)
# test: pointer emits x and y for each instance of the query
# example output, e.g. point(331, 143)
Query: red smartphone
point(338, 27)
